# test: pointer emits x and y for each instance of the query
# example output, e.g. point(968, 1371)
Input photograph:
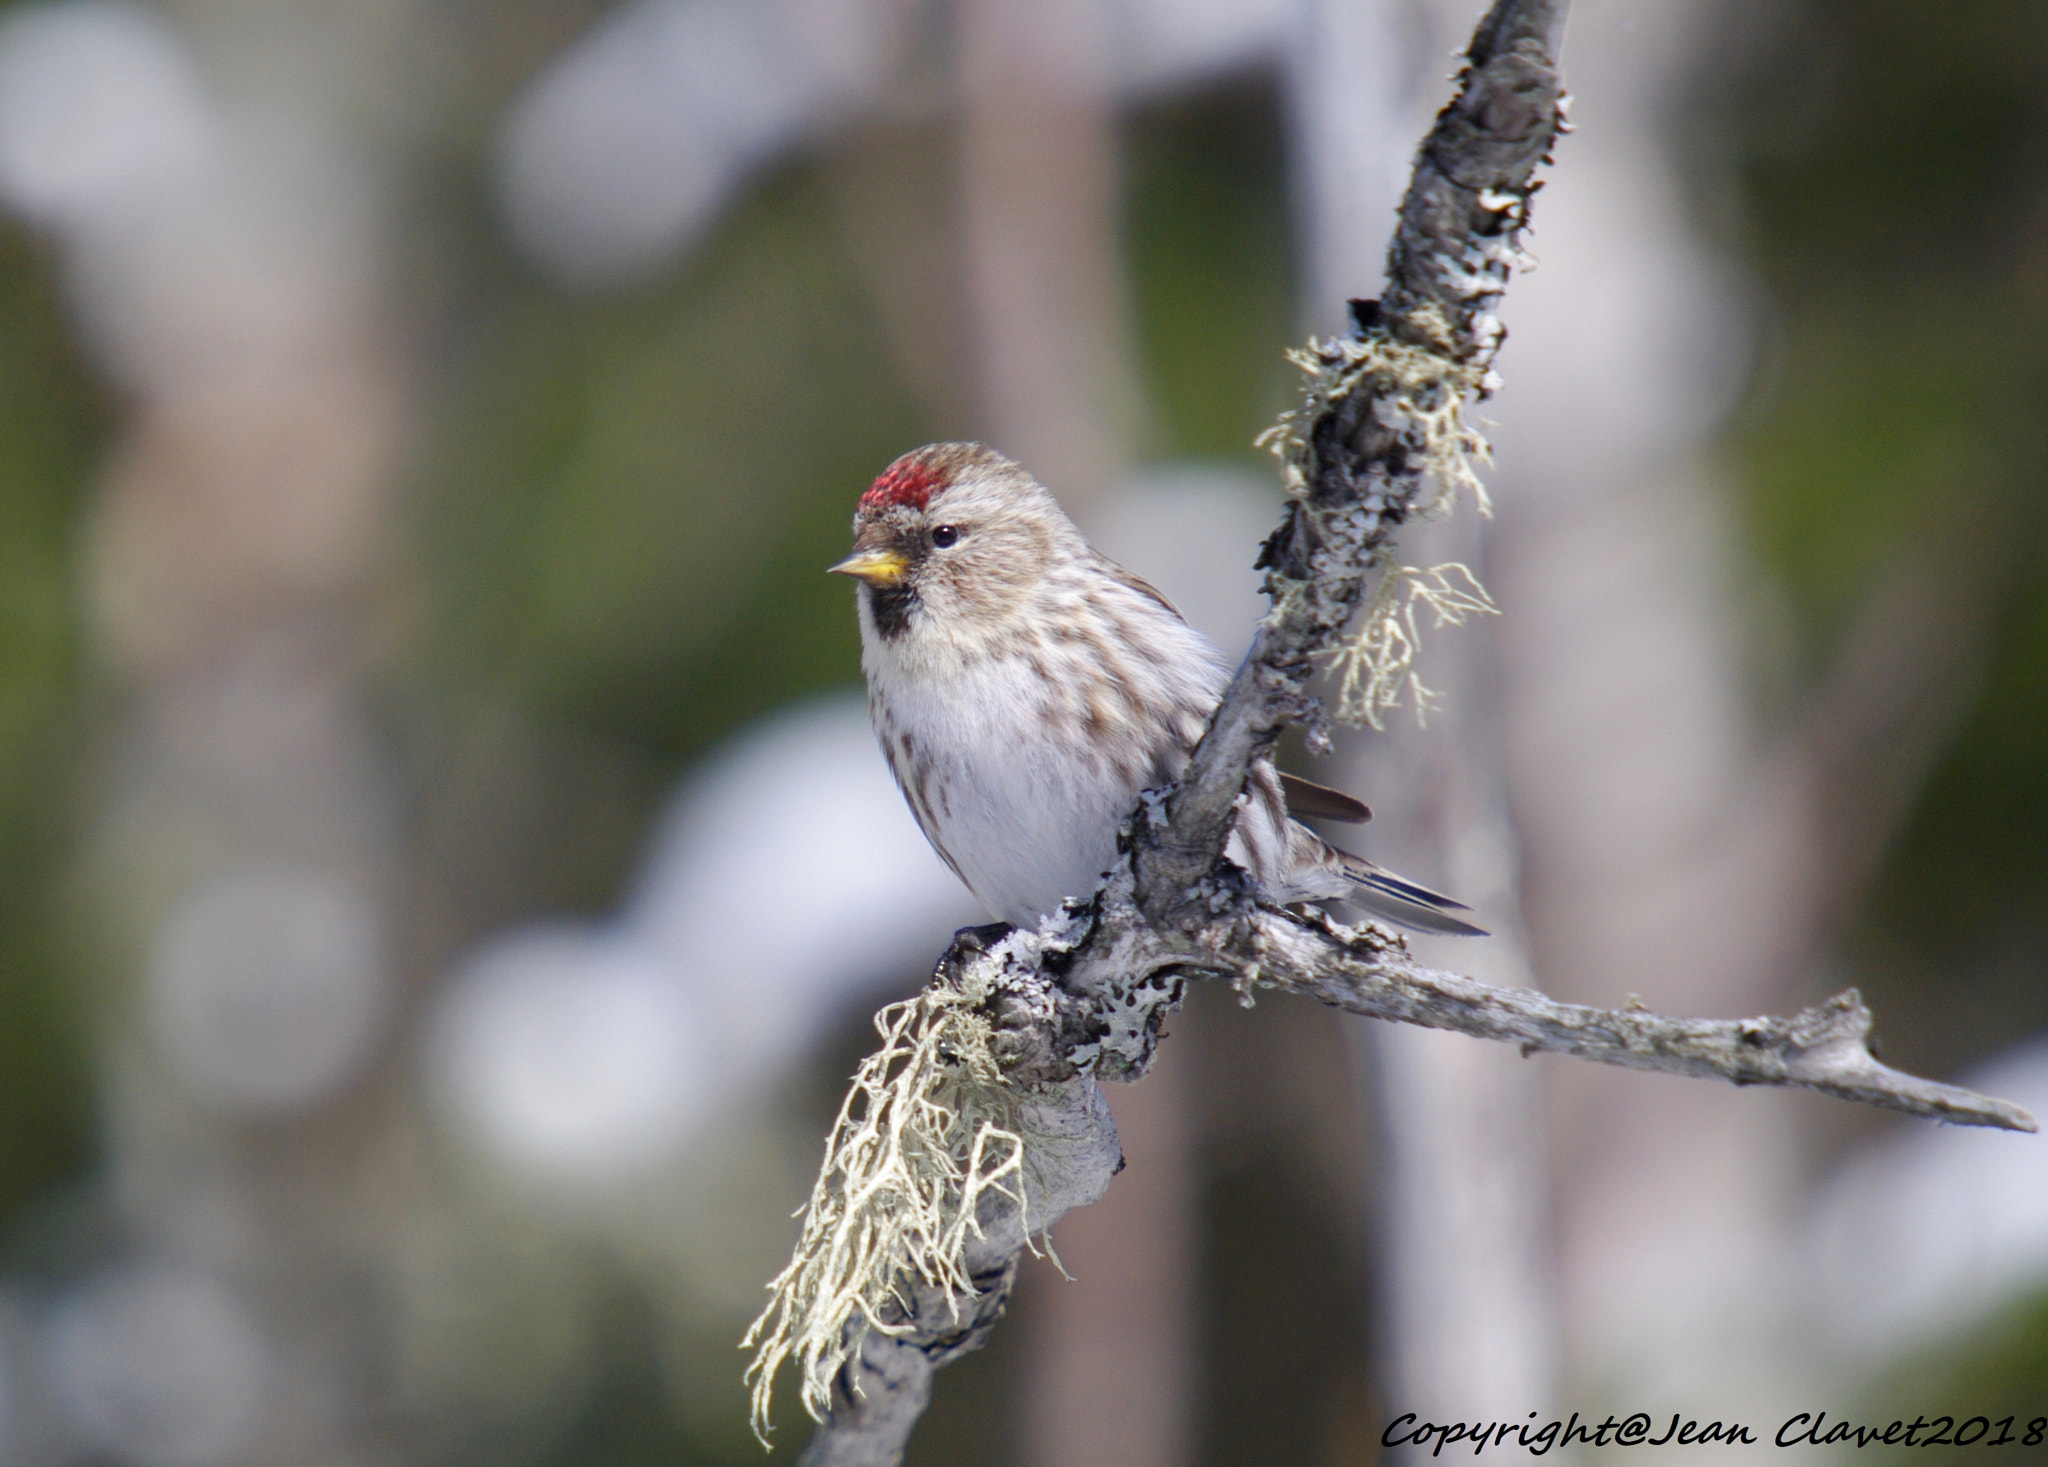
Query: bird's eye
point(944, 535)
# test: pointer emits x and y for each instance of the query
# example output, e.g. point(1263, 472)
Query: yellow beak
point(876, 567)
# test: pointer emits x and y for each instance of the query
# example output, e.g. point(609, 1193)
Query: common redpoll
point(1026, 689)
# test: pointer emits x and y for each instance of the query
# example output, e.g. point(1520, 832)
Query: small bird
point(1025, 689)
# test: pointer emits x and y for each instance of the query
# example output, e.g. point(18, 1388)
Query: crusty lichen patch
point(926, 1132)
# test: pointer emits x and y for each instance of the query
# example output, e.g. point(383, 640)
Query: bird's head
point(956, 536)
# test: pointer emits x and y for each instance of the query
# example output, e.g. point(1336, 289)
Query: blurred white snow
point(572, 1054)
point(787, 878)
point(197, 238)
point(628, 145)
point(100, 106)
point(785, 887)
point(1933, 1229)
point(158, 1366)
point(266, 991)
point(632, 139)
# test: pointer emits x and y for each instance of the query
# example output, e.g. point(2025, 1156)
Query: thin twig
point(1824, 1048)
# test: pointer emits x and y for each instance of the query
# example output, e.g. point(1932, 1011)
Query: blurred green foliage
point(633, 497)
point(1206, 230)
point(52, 418)
point(2000, 1371)
point(1893, 167)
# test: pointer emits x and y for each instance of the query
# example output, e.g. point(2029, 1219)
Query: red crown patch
point(910, 480)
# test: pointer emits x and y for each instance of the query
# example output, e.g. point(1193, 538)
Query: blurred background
point(447, 873)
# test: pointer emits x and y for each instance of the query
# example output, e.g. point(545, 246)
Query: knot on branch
point(1507, 105)
point(1843, 1019)
point(1832, 1036)
point(1040, 1032)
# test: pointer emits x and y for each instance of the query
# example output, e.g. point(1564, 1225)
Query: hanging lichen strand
point(925, 1134)
point(1419, 392)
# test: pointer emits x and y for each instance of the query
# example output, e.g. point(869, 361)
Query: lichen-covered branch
point(1383, 420)
point(980, 1121)
point(1368, 970)
point(1083, 1000)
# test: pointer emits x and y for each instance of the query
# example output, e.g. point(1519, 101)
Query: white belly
point(1005, 795)
point(990, 736)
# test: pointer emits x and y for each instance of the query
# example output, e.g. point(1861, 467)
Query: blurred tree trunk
point(1465, 1321)
point(1107, 1380)
point(239, 559)
point(1047, 296)
point(1662, 855)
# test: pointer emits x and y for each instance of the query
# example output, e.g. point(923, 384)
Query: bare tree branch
point(1024, 1024)
point(1824, 1048)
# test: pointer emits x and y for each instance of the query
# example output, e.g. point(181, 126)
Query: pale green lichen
point(1375, 666)
point(926, 1132)
point(1420, 390)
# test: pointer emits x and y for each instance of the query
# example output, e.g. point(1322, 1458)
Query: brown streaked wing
point(1307, 800)
point(1139, 584)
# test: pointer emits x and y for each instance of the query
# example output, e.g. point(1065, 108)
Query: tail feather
point(1398, 900)
point(1404, 903)
point(1311, 869)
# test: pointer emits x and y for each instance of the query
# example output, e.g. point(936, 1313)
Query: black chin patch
point(891, 607)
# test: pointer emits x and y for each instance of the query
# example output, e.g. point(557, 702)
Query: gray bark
point(1049, 332)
